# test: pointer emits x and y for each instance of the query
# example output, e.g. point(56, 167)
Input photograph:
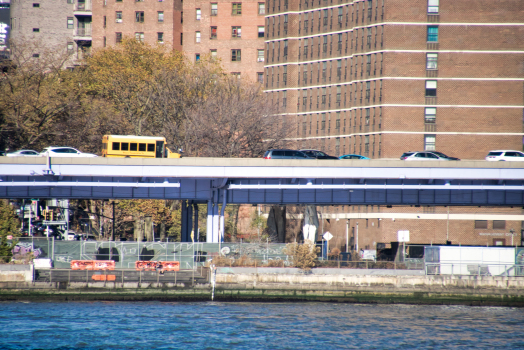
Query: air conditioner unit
point(260, 59)
point(118, 21)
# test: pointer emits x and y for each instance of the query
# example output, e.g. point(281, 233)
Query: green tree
point(9, 225)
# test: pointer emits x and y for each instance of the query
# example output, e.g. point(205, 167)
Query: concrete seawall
point(287, 284)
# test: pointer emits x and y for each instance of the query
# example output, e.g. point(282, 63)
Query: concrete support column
point(209, 227)
point(222, 219)
point(215, 217)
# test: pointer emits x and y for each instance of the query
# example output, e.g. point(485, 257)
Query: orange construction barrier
point(103, 277)
point(170, 265)
point(157, 265)
point(92, 265)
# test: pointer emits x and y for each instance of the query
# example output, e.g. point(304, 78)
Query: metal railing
point(83, 31)
point(199, 275)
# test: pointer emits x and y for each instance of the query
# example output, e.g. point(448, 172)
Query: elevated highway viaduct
point(218, 181)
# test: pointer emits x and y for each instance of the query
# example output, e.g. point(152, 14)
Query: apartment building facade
point(232, 32)
point(54, 24)
point(153, 22)
point(381, 77)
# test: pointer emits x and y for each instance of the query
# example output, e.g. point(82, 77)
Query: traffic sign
point(327, 236)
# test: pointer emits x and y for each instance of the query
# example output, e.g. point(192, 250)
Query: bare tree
point(36, 93)
point(237, 120)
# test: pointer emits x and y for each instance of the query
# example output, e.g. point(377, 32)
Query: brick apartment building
point(232, 32)
point(53, 23)
point(147, 21)
point(381, 77)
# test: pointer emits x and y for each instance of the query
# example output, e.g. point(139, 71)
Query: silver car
point(505, 155)
point(65, 152)
point(23, 153)
point(426, 155)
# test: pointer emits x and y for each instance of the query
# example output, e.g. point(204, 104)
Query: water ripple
point(215, 325)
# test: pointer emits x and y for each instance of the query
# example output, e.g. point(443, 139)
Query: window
point(284, 99)
point(70, 23)
point(260, 77)
point(499, 224)
point(36, 55)
point(69, 1)
point(236, 74)
point(481, 223)
point(118, 16)
point(213, 33)
point(236, 32)
point(432, 6)
point(213, 54)
point(160, 16)
point(214, 9)
point(139, 36)
point(198, 14)
point(197, 57)
point(105, 21)
point(429, 142)
point(36, 4)
point(431, 60)
point(160, 37)
point(431, 88)
point(235, 55)
point(70, 48)
point(430, 115)
point(237, 8)
point(432, 34)
point(197, 37)
point(260, 56)
point(118, 39)
point(36, 30)
point(261, 8)
point(139, 16)
point(261, 32)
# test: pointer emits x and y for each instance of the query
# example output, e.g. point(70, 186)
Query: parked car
point(426, 155)
point(65, 152)
point(23, 153)
point(352, 156)
point(505, 155)
point(285, 154)
point(314, 153)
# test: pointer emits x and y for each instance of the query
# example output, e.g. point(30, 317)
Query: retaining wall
point(16, 273)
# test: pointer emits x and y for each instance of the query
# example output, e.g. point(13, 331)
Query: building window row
point(139, 36)
point(236, 9)
point(236, 32)
point(139, 17)
point(341, 17)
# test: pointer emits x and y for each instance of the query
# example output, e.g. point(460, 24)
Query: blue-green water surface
point(217, 325)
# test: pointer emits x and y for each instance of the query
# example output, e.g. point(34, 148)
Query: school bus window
point(142, 147)
point(116, 146)
point(133, 147)
point(125, 146)
point(150, 147)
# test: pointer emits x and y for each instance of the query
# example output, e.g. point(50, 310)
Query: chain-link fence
point(190, 255)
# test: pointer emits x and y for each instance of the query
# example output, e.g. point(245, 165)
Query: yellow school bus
point(129, 146)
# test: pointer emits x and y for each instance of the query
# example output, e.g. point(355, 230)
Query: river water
point(217, 325)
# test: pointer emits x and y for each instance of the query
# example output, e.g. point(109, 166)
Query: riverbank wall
point(288, 284)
